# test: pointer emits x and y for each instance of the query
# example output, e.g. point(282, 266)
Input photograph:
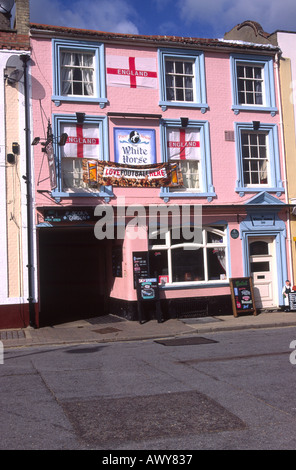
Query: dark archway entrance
point(72, 275)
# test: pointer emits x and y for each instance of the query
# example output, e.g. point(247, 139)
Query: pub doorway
point(72, 275)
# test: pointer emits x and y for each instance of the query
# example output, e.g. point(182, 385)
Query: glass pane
point(179, 95)
point(158, 262)
point(188, 68)
point(259, 248)
point(187, 265)
point(188, 95)
point(216, 263)
point(260, 266)
point(214, 238)
point(179, 67)
point(169, 66)
point(257, 72)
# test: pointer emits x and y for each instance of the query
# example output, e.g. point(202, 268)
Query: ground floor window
point(177, 260)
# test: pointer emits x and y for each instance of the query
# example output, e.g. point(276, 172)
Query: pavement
point(110, 328)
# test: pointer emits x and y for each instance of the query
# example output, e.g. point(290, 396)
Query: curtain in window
point(87, 76)
point(66, 72)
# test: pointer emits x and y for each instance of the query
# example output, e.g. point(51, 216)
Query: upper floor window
point(255, 158)
point(258, 160)
point(86, 144)
point(182, 79)
point(189, 145)
point(78, 72)
point(252, 83)
point(179, 80)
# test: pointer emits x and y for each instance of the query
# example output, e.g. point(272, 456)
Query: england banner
point(183, 144)
point(131, 72)
point(82, 142)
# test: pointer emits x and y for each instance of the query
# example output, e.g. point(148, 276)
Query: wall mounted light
point(16, 148)
point(11, 158)
point(184, 121)
point(80, 117)
point(256, 125)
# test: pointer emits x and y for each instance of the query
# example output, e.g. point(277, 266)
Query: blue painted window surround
point(62, 119)
point(199, 82)
point(265, 63)
point(206, 186)
point(275, 183)
point(99, 93)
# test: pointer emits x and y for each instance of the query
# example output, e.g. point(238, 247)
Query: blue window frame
point(78, 72)
point(258, 160)
point(182, 79)
point(252, 82)
point(202, 186)
point(60, 123)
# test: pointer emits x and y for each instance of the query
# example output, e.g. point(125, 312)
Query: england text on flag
point(183, 144)
point(82, 142)
point(131, 72)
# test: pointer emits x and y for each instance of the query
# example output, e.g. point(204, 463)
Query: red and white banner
point(183, 144)
point(131, 72)
point(82, 142)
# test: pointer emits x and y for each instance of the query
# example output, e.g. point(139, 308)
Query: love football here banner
point(131, 72)
point(137, 176)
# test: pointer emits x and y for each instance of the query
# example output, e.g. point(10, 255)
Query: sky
point(187, 18)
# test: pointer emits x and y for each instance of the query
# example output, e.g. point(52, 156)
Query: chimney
point(22, 17)
point(4, 21)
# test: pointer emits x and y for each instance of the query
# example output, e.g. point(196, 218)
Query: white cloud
point(223, 15)
point(99, 15)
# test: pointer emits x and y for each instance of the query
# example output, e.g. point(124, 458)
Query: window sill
point(259, 189)
point(83, 99)
point(237, 108)
point(184, 104)
point(105, 193)
point(166, 195)
point(195, 285)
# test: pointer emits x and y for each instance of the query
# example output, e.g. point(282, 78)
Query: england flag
point(131, 72)
point(183, 144)
point(82, 142)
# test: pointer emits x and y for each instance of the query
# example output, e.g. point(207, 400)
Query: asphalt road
point(217, 391)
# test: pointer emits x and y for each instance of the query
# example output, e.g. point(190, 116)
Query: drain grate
point(105, 331)
point(192, 341)
point(104, 319)
point(12, 334)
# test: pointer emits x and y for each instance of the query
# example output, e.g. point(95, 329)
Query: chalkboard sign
point(140, 266)
point(242, 295)
point(148, 289)
point(292, 300)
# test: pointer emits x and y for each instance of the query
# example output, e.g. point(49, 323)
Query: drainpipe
point(28, 178)
point(284, 163)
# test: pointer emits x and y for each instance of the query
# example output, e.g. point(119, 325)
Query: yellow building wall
point(13, 195)
point(290, 146)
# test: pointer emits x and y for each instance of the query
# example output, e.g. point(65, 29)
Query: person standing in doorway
point(287, 289)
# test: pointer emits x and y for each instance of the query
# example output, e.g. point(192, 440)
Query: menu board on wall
point(242, 295)
point(140, 265)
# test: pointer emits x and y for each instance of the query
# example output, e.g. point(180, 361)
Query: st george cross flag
point(183, 144)
point(82, 142)
point(131, 72)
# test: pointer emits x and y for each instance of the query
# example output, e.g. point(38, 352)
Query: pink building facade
point(211, 107)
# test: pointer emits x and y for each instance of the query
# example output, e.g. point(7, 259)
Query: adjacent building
point(16, 289)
